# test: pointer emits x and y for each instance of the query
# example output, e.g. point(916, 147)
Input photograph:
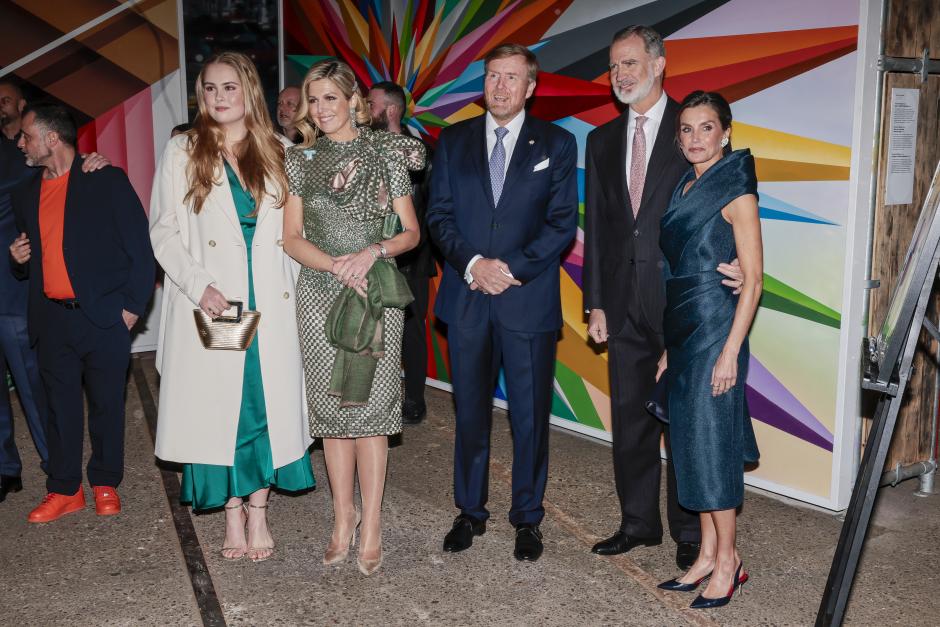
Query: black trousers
point(633, 353)
point(72, 352)
point(414, 346)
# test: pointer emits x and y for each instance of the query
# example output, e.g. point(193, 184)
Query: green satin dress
point(208, 486)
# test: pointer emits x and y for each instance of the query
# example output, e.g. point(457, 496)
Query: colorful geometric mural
point(126, 58)
point(789, 74)
point(119, 76)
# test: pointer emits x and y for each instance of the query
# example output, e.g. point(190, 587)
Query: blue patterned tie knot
point(498, 164)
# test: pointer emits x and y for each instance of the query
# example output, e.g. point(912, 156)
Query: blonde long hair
point(260, 155)
point(343, 77)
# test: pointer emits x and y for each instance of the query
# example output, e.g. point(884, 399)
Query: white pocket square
point(541, 165)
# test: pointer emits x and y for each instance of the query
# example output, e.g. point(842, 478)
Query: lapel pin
point(309, 154)
point(531, 141)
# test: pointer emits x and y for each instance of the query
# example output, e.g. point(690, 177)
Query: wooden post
point(910, 27)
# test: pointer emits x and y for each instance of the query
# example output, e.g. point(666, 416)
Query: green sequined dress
point(347, 190)
point(209, 486)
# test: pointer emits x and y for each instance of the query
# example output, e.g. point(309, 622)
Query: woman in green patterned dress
point(345, 180)
point(235, 419)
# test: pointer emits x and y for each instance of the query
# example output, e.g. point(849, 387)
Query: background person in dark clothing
point(16, 356)
point(387, 106)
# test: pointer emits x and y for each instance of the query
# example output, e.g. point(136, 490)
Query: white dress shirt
point(654, 118)
point(514, 126)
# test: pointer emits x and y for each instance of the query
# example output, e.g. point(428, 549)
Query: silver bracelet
point(372, 252)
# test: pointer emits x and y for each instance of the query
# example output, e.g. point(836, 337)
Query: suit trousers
point(414, 347)
point(634, 353)
point(71, 351)
point(17, 357)
point(528, 361)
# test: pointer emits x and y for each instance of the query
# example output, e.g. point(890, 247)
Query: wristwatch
point(382, 250)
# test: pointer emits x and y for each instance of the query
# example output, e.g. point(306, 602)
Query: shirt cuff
point(466, 273)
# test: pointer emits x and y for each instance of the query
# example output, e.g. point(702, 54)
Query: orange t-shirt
point(56, 282)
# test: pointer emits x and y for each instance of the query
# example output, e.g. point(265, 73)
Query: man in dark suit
point(503, 208)
point(84, 245)
point(387, 106)
point(632, 166)
point(16, 355)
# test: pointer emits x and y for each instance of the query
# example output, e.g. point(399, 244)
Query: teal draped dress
point(711, 436)
point(208, 486)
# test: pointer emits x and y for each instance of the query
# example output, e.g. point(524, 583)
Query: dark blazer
point(105, 242)
point(13, 172)
point(534, 222)
point(620, 251)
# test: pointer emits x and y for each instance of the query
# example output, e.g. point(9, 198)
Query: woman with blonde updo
point(347, 183)
point(236, 419)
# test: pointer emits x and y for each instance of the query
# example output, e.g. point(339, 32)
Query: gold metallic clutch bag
point(227, 333)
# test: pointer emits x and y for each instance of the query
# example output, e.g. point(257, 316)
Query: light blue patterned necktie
point(498, 164)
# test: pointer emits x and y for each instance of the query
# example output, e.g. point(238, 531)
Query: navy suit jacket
point(105, 242)
point(529, 229)
point(13, 172)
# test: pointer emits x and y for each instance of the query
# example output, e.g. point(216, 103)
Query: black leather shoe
point(686, 554)
point(620, 542)
point(413, 413)
point(9, 483)
point(460, 536)
point(528, 543)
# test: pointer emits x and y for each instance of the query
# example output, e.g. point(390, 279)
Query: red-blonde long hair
point(260, 155)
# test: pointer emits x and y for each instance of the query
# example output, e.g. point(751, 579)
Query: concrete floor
point(86, 570)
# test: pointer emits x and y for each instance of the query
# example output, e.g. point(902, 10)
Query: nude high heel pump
point(368, 566)
point(335, 556)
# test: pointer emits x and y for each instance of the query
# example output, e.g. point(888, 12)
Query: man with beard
point(387, 106)
point(16, 354)
point(503, 208)
point(632, 166)
point(84, 245)
point(287, 102)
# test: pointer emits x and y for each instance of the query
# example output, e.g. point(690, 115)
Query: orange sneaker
point(55, 506)
point(107, 501)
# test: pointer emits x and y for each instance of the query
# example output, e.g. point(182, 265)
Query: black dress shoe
point(460, 536)
point(9, 483)
point(528, 543)
point(413, 413)
point(686, 554)
point(620, 542)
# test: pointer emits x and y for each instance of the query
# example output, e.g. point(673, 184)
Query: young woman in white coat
point(235, 419)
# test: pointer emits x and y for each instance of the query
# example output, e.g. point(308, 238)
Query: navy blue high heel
point(674, 585)
point(702, 602)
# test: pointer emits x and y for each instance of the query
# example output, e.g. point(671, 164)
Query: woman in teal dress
point(712, 219)
point(208, 486)
point(235, 419)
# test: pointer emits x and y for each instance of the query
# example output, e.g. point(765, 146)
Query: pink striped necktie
point(637, 165)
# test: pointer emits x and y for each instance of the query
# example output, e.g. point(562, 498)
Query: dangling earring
point(724, 142)
point(352, 117)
